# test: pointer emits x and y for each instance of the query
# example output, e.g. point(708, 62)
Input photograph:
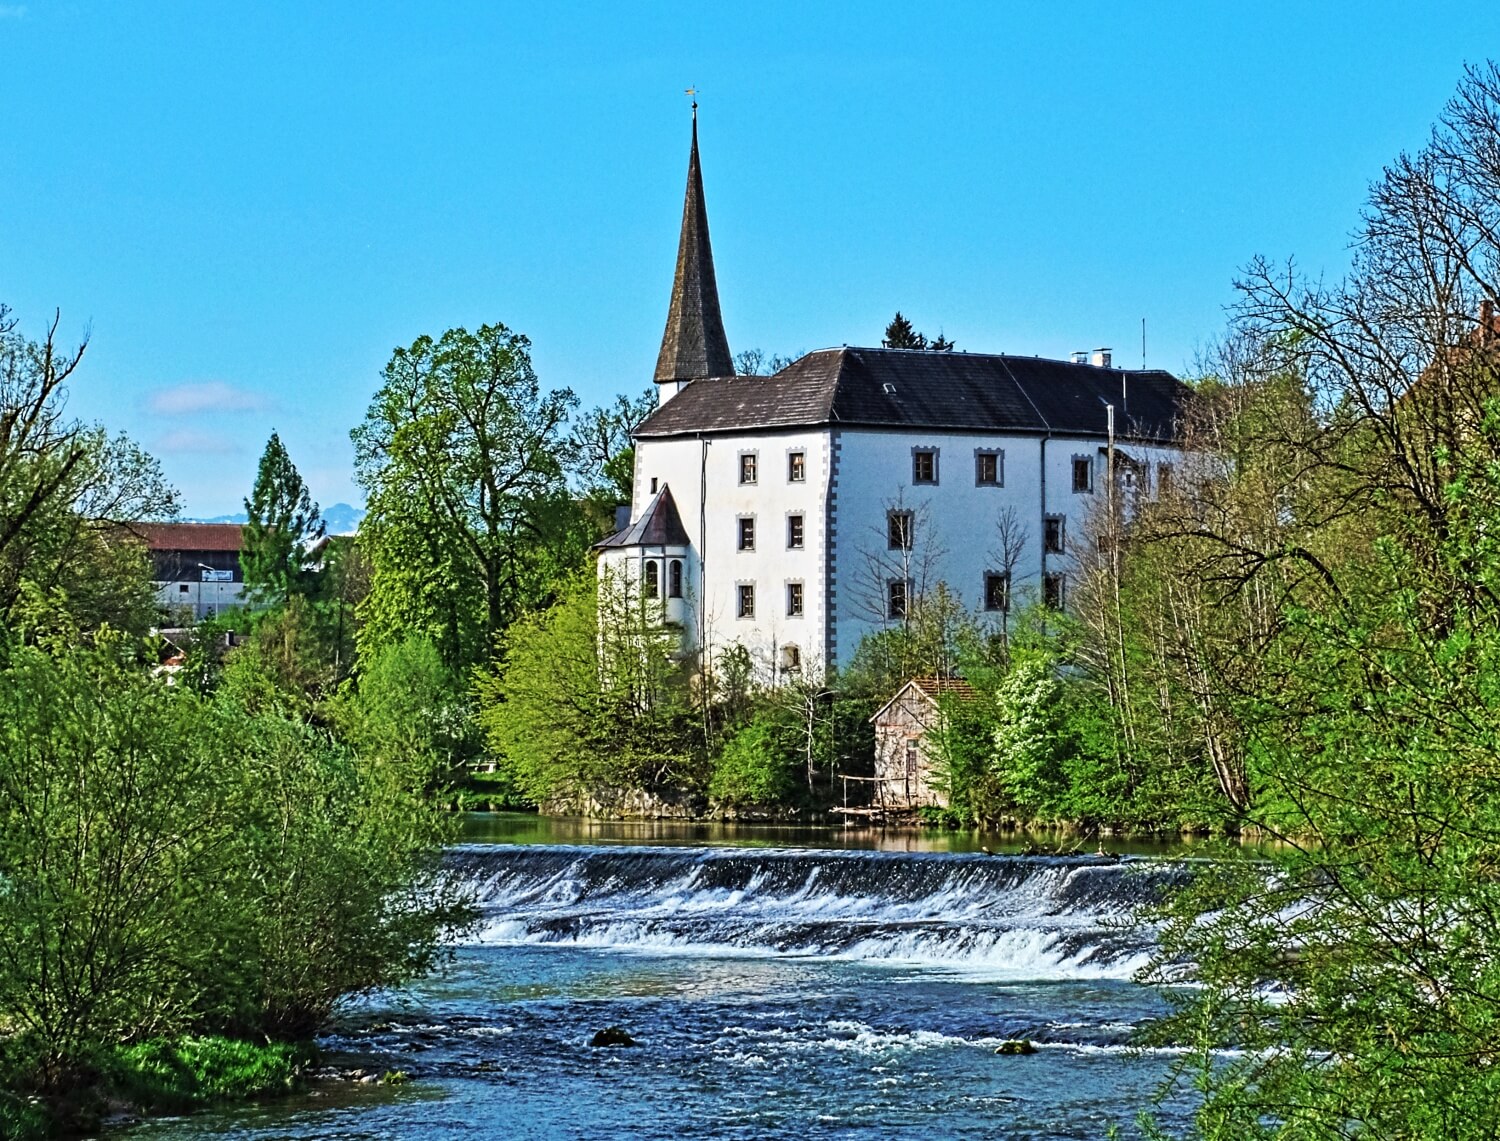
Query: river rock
point(1016, 1046)
point(612, 1036)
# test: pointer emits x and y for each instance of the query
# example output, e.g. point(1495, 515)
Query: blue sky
point(250, 205)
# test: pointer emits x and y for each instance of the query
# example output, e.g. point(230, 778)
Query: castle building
point(793, 514)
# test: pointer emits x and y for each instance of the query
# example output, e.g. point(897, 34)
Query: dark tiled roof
point(910, 388)
point(658, 526)
point(190, 536)
point(694, 344)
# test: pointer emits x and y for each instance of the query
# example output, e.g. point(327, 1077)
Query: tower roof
point(659, 526)
point(694, 345)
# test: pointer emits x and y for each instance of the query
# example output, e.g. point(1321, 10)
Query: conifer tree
point(899, 334)
point(283, 525)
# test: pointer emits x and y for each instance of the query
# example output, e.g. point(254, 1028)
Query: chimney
point(1081, 357)
point(1101, 358)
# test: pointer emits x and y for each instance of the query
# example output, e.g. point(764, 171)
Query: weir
point(1020, 917)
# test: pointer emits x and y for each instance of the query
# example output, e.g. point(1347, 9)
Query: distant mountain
point(340, 519)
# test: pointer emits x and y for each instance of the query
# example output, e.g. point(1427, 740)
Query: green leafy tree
point(175, 865)
point(282, 532)
point(590, 699)
point(70, 495)
point(471, 522)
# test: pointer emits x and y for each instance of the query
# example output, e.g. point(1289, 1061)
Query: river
point(780, 983)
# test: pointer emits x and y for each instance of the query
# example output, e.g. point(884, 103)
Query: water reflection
point(527, 828)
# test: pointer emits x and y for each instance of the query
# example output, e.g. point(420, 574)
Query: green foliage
point(407, 708)
point(282, 529)
point(175, 1075)
point(590, 697)
point(758, 764)
point(471, 522)
point(175, 864)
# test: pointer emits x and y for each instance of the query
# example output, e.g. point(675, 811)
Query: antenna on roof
point(1143, 344)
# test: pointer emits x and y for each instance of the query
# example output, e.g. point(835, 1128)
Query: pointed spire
point(694, 345)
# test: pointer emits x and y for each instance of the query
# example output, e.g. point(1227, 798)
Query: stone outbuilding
point(906, 773)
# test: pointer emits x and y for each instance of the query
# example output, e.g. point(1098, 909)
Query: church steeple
point(694, 345)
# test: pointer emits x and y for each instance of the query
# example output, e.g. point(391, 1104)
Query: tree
point(1355, 963)
point(282, 530)
point(70, 495)
point(470, 523)
point(756, 362)
point(601, 455)
point(900, 334)
point(591, 699)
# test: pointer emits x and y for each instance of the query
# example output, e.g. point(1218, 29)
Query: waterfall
point(1001, 916)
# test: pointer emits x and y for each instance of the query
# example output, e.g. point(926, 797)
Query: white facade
point(971, 518)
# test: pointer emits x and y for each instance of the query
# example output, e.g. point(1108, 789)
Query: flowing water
point(774, 992)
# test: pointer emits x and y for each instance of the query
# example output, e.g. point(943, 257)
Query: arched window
point(674, 578)
point(653, 579)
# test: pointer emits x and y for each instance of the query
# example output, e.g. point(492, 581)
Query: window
point(1053, 591)
point(747, 467)
point(794, 532)
point(653, 485)
point(989, 468)
point(899, 529)
point(996, 591)
point(791, 659)
point(1052, 534)
point(896, 596)
point(183, 589)
point(747, 533)
point(1083, 474)
point(652, 579)
point(746, 599)
point(796, 467)
point(674, 579)
point(924, 465)
point(794, 600)
point(911, 761)
point(1163, 480)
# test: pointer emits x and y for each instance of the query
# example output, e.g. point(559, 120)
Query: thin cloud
point(192, 441)
point(204, 396)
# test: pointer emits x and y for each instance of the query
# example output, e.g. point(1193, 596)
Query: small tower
point(693, 346)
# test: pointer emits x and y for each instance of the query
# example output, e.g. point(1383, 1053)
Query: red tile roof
point(191, 536)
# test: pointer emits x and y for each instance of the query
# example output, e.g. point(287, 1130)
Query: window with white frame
point(796, 467)
point(748, 467)
point(795, 533)
point(898, 595)
point(989, 467)
point(924, 465)
point(900, 530)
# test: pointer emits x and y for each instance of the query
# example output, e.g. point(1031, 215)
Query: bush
point(759, 763)
point(175, 865)
point(170, 1076)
